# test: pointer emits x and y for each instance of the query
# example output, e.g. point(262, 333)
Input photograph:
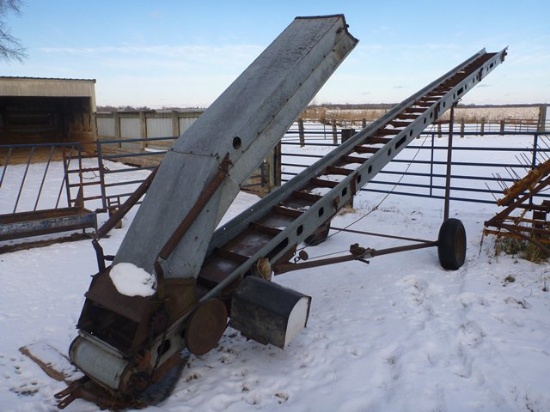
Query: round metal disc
point(206, 326)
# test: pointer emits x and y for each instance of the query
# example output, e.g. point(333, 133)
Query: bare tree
point(10, 48)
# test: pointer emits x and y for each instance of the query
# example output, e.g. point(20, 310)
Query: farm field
point(398, 334)
point(468, 114)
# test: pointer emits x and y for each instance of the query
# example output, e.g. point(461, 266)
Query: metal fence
point(125, 164)
point(102, 181)
point(28, 172)
point(482, 166)
point(42, 192)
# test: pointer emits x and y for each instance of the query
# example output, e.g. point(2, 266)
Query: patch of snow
point(399, 334)
point(131, 280)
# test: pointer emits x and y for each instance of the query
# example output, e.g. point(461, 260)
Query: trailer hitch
point(356, 252)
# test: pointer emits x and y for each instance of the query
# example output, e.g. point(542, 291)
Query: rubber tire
point(451, 244)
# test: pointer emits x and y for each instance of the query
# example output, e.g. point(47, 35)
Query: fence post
point(116, 117)
point(175, 123)
point(364, 123)
point(439, 130)
point(502, 123)
point(347, 133)
point(482, 127)
point(277, 166)
point(99, 149)
point(541, 127)
point(462, 128)
point(334, 133)
point(142, 129)
point(432, 153)
point(301, 132)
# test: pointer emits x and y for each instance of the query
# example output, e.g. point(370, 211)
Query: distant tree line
point(328, 106)
point(128, 108)
point(365, 106)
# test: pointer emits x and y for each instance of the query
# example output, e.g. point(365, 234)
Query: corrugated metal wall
point(106, 126)
point(134, 125)
point(130, 128)
point(159, 127)
point(185, 122)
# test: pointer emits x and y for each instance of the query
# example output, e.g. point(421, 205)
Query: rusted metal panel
point(521, 218)
point(27, 224)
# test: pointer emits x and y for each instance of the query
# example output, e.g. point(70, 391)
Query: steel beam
point(469, 74)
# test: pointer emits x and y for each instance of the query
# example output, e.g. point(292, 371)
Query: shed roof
point(47, 87)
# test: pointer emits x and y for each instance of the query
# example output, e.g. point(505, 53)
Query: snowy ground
point(399, 334)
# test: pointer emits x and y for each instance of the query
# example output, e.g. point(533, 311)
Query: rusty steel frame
point(36, 222)
point(520, 196)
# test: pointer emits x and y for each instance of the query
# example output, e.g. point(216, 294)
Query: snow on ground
point(398, 334)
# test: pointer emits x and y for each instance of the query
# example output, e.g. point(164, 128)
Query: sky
point(177, 53)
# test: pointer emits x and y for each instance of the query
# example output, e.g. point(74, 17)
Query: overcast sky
point(182, 53)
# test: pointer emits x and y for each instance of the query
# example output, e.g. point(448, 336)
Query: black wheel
point(451, 244)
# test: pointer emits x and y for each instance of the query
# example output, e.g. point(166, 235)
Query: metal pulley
point(205, 326)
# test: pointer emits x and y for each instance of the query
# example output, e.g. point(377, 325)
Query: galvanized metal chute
point(244, 123)
point(127, 343)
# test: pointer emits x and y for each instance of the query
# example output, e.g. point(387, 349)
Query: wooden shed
point(46, 110)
